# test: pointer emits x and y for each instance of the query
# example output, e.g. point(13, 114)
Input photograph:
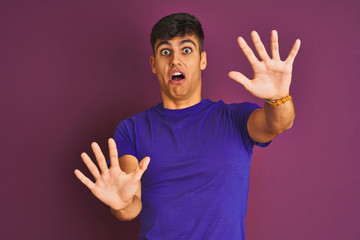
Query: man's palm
point(272, 76)
point(112, 186)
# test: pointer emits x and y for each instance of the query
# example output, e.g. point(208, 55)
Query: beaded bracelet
point(280, 101)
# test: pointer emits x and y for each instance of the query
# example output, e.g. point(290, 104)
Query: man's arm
point(271, 81)
point(266, 123)
point(118, 189)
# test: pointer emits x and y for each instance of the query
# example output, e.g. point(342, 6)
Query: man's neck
point(180, 104)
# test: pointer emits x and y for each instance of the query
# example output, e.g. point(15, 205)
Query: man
point(196, 186)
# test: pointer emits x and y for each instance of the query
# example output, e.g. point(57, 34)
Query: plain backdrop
point(71, 70)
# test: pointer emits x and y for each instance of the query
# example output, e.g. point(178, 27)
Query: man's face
point(178, 64)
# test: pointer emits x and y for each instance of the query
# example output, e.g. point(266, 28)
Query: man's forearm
point(279, 118)
point(130, 212)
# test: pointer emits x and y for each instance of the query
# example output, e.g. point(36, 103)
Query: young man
point(196, 186)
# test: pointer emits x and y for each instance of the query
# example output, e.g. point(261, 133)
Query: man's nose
point(176, 60)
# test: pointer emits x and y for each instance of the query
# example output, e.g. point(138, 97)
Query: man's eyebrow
point(187, 41)
point(162, 43)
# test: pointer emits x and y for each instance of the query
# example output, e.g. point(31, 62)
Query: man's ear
point(152, 64)
point(203, 61)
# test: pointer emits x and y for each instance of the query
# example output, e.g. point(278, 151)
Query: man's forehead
point(178, 40)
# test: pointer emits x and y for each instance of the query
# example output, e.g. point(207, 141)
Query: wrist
point(129, 212)
point(278, 102)
point(123, 205)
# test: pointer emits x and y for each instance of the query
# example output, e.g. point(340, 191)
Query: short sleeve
point(125, 138)
point(242, 114)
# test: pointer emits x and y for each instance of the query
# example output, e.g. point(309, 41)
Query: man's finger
point(141, 168)
point(247, 51)
point(90, 165)
point(275, 45)
point(240, 78)
point(295, 49)
point(114, 160)
point(86, 181)
point(100, 158)
point(259, 46)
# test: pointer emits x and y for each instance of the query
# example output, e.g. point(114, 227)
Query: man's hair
point(177, 25)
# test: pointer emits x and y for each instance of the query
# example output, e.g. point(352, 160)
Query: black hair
point(177, 25)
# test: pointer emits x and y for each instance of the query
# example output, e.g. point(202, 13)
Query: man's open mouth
point(177, 76)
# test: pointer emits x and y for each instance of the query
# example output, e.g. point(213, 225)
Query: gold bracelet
point(280, 101)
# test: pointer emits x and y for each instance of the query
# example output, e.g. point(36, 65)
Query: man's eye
point(165, 52)
point(187, 50)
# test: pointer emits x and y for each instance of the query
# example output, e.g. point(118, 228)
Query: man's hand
point(272, 77)
point(113, 187)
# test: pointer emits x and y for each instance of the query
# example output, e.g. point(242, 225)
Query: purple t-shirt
point(196, 185)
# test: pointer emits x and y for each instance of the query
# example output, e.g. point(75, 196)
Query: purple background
point(71, 70)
